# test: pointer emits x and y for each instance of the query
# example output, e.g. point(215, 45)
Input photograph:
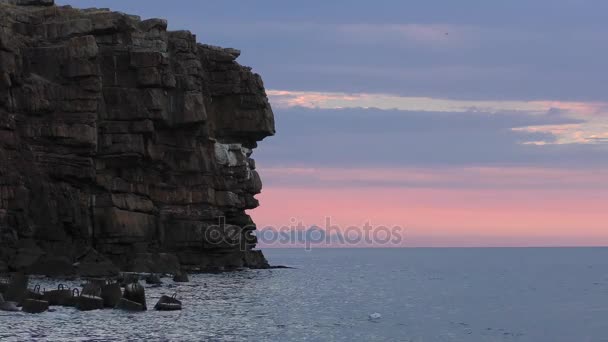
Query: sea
point(413, 294)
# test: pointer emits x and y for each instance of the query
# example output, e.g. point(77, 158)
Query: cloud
point(589, 119)
point(357, 137)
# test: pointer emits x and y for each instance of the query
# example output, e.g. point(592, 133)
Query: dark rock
point(53, 266)
point(35, 306)
point(3, 267)
point(89, 303)
point(58, 297)
point(153, 279)
point(155, 263)
point(128, 305)
point(136, 293)
point(26, 257)
point(128, 278)
point(94, 265)
point(111, 294)
point(118, 134)
point(166, 303)
point(181, 277)
point(17, 288)
point(33, 294)
point(93, 288)
point(30, 2)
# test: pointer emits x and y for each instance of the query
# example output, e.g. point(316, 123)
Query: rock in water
point(58, 297)
point(136, 293)
point(119, 134)
point(181, 278)
point(88, 303)
point(166, 303)
point(35, 306)
point(375, 316)
point(127, 305)
point(93, 288)
point(153, 279)
point(111, 294)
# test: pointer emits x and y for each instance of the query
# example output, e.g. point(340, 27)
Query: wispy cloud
point(594, 114)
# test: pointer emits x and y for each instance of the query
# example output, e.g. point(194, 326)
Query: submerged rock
point(166, 303)
point(374, 316)
point(128, 305)
point(35, 306)
point(88, 303)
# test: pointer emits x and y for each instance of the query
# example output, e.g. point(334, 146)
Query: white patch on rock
point(231, 154)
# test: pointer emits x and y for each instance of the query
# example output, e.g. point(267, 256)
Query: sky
point(466, 123)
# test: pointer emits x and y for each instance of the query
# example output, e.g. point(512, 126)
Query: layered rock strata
point(123, 141)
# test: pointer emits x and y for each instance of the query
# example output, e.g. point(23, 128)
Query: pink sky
point(508, 214)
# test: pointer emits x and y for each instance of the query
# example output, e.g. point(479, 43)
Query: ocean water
point(493, 294)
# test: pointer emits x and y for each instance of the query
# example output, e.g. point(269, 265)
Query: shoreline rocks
point(166, 303)
point(34, 306)
point(89, 303)
point(136, 293)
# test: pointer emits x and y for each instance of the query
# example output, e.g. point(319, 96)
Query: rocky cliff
point(122, 143)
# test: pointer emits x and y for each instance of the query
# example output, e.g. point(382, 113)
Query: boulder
point(35, 306)
point(17, 288)
point(89, 303)
point(62, 296)
point(93, 264)
point(153, 279)
point(92, 288)
point(128, 305)
point(181, 277)
point(129, 278)
point(111, 294)
point(136, 293)
point(166, 303)
point(34, 294)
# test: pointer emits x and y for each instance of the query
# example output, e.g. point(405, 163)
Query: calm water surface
point(422, 294)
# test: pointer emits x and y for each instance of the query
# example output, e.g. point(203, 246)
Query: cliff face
point(121, 140)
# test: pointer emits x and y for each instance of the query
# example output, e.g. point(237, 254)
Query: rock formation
point(124, 143)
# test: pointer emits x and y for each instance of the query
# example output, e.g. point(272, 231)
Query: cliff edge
point(123, 145)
